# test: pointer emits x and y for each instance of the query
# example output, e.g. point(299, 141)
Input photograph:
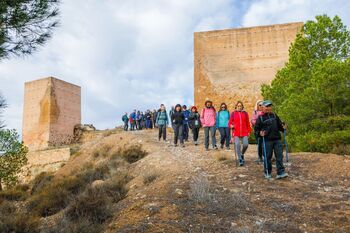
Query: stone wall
point(52, 108)
point(43, 161)
point(231, 65)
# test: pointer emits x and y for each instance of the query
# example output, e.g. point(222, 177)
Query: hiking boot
point(241, 162)
point(222, 146)
point(282, 175)
point(215, 147)
point(268, 176)
point(258, 161)
point(183, 145)
point(228, 148)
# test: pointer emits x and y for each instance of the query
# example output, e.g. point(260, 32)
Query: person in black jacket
point(177, 119)
point(194, 124)
point(268, 126)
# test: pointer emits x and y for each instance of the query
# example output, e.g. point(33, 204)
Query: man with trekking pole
point(268, 126)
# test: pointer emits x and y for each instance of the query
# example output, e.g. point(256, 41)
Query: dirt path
point(165, 195)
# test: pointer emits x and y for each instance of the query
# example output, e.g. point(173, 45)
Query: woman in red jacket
point(240, 125)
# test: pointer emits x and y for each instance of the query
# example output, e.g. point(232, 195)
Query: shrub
point(150, 177)
point(40, 181)
point(323, 142)
point(13, 194)
point(200, 190)
point(91, 173)
point(55, 197)
point(11, 221)
point(102, 151)
point(131, 154)
point(93, 205)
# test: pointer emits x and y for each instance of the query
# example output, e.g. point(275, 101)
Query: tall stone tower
point(52, 108)
point(231, 65)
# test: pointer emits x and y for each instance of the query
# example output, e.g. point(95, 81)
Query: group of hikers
point(234, 127)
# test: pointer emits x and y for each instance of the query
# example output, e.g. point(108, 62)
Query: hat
point(267, 103)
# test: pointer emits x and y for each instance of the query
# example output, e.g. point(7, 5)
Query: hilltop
point(170, 189)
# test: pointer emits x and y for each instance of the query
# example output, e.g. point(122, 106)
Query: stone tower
point(231, 65)
point(52, 108)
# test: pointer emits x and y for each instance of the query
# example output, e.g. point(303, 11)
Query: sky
point(137, 54)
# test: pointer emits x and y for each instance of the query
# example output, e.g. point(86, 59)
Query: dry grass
point(103, 151)
point(17, 193)
point(341, 150)
point(200, 190)
point(149, 177)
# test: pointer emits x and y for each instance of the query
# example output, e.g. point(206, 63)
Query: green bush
point(323, 142)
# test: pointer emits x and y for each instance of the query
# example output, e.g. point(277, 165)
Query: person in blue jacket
point(222, 119)
point(186, 113)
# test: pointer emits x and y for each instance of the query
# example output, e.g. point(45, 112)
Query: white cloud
point(124, 55)
point(265, 12)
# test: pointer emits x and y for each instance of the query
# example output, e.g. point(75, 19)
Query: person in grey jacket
point(162, 122)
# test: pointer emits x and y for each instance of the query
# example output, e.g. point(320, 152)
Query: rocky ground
point(192, 190)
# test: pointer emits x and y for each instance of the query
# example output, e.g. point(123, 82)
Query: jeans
point(224, 136)
point(274, 146)
point(212, 130)
point(178, 134)
point(185, 131)
point(162, 132)
point(195, 133)
point(240, 152)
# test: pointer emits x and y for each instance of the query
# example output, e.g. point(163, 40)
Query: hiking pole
point(265, 158)
point(286, 145)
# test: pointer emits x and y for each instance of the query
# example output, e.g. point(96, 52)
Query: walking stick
point(286, 145)
point(265, 157)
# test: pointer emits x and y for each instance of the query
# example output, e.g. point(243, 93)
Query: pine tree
point(25, 25)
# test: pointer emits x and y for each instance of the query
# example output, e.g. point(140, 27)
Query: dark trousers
point(132, 126)
point(148, 124)
point(195, 133)
point(162, 132)
point(259, 141)
point(225, 136)
point(185, 132)
point(178, 134)
point(212, 130)
point(126, 126)
point(276, 147)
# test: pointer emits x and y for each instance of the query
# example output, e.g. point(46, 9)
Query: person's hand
point(284, 126)
point(232, 126)
point(262, 133)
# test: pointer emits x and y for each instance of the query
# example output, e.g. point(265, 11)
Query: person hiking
point(208, 120)
point(269, 126)
point(222, 118)
point(125, 119)
point(186, 128)
point(177, 119)
point(240, 125)
point(132, 126)
point(142, 121)
point(162, 122)
point(154, 118)
point(255, 115)
point(138, 120)
point(194, 123)
point(171, 113)
point(148, 116)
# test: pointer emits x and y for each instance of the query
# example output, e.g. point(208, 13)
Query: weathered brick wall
point(231, 65)
point(51, 109)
